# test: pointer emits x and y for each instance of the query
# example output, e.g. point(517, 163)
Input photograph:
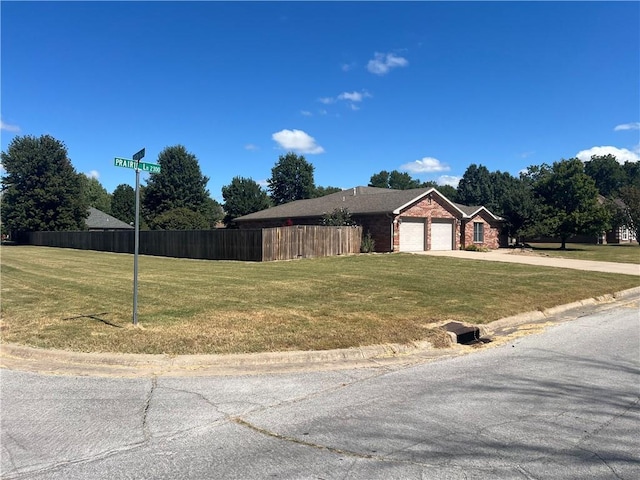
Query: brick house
point(398, 220)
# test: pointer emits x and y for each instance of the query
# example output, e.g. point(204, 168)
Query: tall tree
point(41, 189)
point(180, 184)
point(395, 180)
point(242, 197)
point(570, 201)
point(123, 203)
point(476, 187)
point(213, 212)
point(96, 195)
point(380, 179)
point(448, 191)
point(632, 174)
point(291, 179)
point(607, 173)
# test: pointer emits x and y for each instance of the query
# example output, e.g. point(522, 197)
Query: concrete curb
point(21, 357)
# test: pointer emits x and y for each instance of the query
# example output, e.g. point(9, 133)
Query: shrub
point(368, 244)
point(475, 248)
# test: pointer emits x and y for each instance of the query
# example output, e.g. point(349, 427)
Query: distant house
point(100, 221)
point(621, 234)
point(398, 220)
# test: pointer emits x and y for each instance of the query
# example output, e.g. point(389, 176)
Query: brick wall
point(380, 227)
point(491, 232)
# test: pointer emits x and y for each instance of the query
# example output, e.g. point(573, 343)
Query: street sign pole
point(136, 164)
point(136, 247)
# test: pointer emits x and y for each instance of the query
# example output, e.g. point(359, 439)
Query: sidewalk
point(508, 256)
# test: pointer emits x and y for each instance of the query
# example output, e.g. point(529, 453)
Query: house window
point(625, 233)
point(478, 232)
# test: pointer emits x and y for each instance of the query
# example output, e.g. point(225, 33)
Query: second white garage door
point(441, 235)
point(412, 235)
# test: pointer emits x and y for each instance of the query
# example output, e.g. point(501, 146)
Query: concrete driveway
point(509, 256)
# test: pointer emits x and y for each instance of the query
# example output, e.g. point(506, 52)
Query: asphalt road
point(561, 404)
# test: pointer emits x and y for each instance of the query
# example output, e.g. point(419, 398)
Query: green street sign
point(125, 162)
point(145, 167)
point(149, 167)
point(138, 155)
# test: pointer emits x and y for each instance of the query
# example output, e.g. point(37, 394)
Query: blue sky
point(356, 87)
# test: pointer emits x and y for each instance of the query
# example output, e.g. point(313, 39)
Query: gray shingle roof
point(99, 220)
point(358, 200)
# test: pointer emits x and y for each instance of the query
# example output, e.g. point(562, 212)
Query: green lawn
point(197, 306)
point(621, 253)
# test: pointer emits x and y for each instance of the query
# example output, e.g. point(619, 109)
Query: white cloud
point(326, 100)
point(9, 128)
point(383, 62)
point(426, 165)
point(251, 147)
point(263, 183)
point(347, 66)
point(297, 140)
point(354, 107)
point(93, 174)
point(628, 126)
point(621, 154)
point(448, 180)
point(354, 96)
point(306, 113)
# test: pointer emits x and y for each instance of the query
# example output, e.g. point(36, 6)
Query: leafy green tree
point(338, 218)
point(395, 180)
point(569, 202)
point(123, 203)
point(181, 218)
point(402, 181)
point(322, 191)
point(607, 173)
point(96, 195)
point(41, 189)
point(476, 187)
point(380, 179)
point(519, 207)
point(632, 174)
point(213, 212)
point(630, 195)
point(180, 184)
point(448, 191)
point(242, 197)
point(291, 179)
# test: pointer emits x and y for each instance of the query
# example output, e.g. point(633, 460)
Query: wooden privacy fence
point(306, 241)
point(282, 243)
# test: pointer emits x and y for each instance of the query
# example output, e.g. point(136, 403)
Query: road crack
point(146, 431)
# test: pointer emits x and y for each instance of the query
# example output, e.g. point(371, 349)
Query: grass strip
point(75, 300)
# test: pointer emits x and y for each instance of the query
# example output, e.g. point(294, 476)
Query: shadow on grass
point(95, 316)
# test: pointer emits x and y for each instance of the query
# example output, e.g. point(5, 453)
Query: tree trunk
point(564, 243)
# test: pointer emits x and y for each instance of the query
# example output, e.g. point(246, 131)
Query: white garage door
point(441, 235)
point(412, 235)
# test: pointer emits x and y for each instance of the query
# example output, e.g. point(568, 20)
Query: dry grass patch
point(80, 300)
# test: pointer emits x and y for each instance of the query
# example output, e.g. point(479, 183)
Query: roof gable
point(100, 220)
